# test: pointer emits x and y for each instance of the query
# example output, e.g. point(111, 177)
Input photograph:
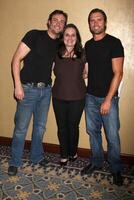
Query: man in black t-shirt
point(32, 88)
point(105, 56)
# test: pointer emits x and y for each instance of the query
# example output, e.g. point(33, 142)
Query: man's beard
point(97, 32)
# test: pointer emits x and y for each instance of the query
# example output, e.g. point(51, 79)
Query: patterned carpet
point(63, 183)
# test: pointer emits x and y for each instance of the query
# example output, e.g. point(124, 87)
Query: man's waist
point(100, 94)
point(37, 84)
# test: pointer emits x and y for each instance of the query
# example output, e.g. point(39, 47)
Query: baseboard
point(54, 148)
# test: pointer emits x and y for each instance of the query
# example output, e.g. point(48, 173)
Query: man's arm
point(20, 53)
point(117, 66)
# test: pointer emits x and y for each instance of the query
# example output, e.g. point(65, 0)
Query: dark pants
point(68, 115)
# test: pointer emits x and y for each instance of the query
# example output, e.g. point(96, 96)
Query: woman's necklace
point(69, 54)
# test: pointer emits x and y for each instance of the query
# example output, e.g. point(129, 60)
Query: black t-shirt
point(99, 56)
point(38, 62)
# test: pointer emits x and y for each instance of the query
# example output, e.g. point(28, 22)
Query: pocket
point(116, 98)
point(26, 88)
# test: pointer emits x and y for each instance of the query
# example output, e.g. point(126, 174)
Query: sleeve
point(117, 49)
point(85, 52)
point(84, 56)
point(30, 38)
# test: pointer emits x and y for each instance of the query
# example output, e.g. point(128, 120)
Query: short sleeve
point(84, 55)
point(117, 49)
point(85, 51)
point(30, 38)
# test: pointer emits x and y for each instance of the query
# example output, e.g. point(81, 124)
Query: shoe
point(89, 169)
point(12, 170)
point(73, 158)
point(117, 179)
point(63, 161)
point(43, 162)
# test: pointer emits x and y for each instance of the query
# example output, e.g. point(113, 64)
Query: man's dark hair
point(58, 12)
point(95, 10)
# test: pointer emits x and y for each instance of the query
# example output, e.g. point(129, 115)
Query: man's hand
point(105, 107)
point(19, 93)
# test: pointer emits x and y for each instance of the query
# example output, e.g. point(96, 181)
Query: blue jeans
point(111, 125)
point(36, 102)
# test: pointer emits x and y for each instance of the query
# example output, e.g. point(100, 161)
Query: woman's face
point(70, 37)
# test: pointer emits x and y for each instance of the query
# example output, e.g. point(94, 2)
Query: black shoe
point(43, 162)
point(89, 169)
point(12, 170)
point(73, 158)
point(117, 179)
point(63, 161)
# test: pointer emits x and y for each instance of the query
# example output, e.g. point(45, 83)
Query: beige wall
point(17, 17)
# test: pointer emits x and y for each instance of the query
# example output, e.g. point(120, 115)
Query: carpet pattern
point(64, 183)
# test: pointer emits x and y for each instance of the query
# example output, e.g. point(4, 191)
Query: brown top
point(69, 83)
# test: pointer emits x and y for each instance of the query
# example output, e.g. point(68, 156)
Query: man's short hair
point(95, 10)
point(58, 12)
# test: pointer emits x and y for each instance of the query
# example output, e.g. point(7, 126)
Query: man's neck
point(99, 36)
point(51, 34)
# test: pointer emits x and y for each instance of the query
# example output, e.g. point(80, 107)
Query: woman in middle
point(68, 92)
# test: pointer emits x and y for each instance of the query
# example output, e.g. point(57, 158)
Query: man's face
point(97, 23)
point(57, 23)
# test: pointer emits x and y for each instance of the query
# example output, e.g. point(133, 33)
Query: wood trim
point(54, 148)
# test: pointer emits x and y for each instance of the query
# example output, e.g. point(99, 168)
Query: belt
point(38, 85)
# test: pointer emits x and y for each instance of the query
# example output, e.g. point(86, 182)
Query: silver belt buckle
point(40, 84)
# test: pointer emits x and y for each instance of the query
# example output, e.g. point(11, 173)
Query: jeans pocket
point(115, 100)
point(26, 87)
